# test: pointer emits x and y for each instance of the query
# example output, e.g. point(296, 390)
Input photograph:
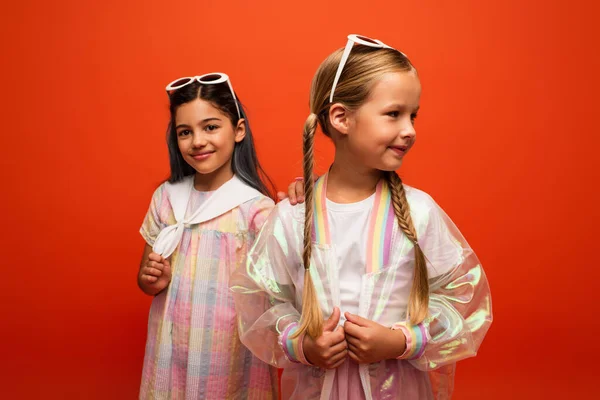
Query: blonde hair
point(364, 66)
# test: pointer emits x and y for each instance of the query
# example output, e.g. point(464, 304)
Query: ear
point(240, 130)
point(339, 118)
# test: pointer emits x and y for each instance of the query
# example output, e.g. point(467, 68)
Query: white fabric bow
point(230, 195)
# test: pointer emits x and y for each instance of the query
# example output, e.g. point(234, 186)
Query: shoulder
point(160, 196)
point(285, 211)
point(423, 208)
point(167, 189)
point(418, 199)
point(256, 211)
point(286, 218)
point(257, 205)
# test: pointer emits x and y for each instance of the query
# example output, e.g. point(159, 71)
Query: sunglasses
point(213, 78)
point(352, 40)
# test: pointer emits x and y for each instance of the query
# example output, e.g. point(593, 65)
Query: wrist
point(293, 345)
point(307, 348)
point(398, 343)
point(415, 337)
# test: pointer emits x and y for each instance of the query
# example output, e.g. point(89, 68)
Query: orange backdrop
point(507, 144)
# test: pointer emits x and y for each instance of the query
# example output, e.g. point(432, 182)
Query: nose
point(407, 131)
point(199, 139)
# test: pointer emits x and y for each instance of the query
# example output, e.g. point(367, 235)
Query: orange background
point(507, 144)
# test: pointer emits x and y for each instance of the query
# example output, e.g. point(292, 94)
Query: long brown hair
point(364, 66)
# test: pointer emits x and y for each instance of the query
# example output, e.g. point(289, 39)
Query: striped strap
point(381, 223)
point(416, 340)
point(292, 347)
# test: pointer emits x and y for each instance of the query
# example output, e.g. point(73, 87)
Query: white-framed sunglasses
point(355, 39)
point(207, 79)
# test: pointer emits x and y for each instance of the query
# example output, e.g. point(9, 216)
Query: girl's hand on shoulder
point(370, 342)
point(295, 191)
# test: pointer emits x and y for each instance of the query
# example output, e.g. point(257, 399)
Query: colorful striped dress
point(193, 350)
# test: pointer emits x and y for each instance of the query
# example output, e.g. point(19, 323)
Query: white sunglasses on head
point(352, 39)
point(207, 79)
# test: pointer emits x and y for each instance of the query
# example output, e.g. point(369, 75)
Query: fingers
point(351, 329)
point(339, 363)
point(337, 360)
point(338, 354)
point(155, 269)
point(149, 278)
point(354, 347)
point(155, 257)
point(152, 272)
point(337, 336)
point(281, 196)
point(332, 321)
point(292, 193)
point(352, 341)
point(156, 265)
point(339, 348)
point(167, 268)
point(355, 353)
point(299, 188)
point(355, 319)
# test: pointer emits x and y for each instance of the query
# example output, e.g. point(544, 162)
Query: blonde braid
point(418, 301)
point(312, 317)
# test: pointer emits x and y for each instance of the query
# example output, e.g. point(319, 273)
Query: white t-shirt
point(349, 227)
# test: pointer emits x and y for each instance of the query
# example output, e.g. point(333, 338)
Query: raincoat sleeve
point(265, 294)
point(460, 305)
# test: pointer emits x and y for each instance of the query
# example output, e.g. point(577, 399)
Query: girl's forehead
point(197, 109)
point(397, 87)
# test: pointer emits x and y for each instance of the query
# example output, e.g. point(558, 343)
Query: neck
point(348, 182)
point(213, 180)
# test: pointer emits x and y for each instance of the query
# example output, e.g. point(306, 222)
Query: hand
point(329, 350)
point(155, 274)
point(295, 191)
point(369, 342)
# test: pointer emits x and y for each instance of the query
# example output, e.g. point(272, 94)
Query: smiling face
point(206, 138)
point(378, 134)
point(382, 130)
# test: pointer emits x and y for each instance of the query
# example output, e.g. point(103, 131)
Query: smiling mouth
point(400, 150)
point(202, 156)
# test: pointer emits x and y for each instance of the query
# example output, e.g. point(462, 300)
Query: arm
point(154, 273)
point(460, 306)
point(265, 294)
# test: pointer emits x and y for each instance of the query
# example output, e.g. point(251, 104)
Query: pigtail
point(418, 301)
point(312, 317)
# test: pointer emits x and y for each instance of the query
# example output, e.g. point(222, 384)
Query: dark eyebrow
point(211, 119)
point(202, 122)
